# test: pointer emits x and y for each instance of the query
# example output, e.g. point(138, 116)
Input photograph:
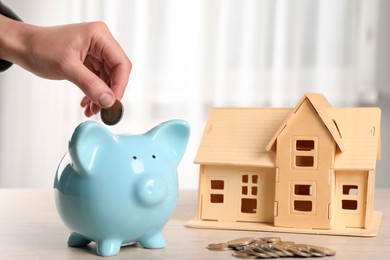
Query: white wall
point(383, 84)
point(189, 55)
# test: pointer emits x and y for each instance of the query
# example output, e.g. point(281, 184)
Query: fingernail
point(106, 100)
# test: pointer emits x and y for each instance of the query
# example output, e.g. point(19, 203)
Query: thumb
point(92, 86)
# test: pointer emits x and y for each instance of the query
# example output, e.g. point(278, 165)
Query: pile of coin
point(270, 247)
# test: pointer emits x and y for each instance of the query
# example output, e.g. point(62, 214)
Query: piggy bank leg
point(77, 240)
point(155, 240)
point(108, 247)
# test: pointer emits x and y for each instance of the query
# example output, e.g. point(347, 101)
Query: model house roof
point(239, 136)
point(245, 136)
point(321, 106)
point(360, 132)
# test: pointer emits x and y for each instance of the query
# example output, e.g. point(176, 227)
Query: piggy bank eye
point(135, 157)
point(153, 156)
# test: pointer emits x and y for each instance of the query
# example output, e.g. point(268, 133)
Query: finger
point(116, 64)
point(119, 79)
point(92, 86)
point(93, 64)
point(88, 112)
point(85, 101)
point(98, 68)
point(94, 108)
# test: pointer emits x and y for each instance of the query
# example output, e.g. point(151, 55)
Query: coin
point(287, 243)
point(270, 247)
point(253, 252)
point(322, 250)
point(280, 249)
point(269, 250)
point(112, 115)
point(218, 247)
point(240, 242)
point(242, 254)
point(294, 250)
point(271, 239)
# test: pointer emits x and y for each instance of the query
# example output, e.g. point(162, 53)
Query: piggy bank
point(116, 189)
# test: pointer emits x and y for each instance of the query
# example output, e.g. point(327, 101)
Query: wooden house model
point(310, 169)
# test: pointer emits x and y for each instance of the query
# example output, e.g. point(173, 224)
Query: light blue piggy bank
point(115, 189)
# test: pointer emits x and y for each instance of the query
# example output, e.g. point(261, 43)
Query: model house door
point(351, 193)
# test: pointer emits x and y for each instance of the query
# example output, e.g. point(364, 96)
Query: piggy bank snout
point(151, 190)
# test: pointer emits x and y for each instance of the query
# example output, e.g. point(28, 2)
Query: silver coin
point(294, 250)
point(263, 248)
point(262, 253)
point(112, 115)
point(271, 239)
point(286, 243)
point(270, 247)
point(240, 242)
point(321, 250)
point(218, 247)
point(280, 249)
point(253, 252)
point(242, 254)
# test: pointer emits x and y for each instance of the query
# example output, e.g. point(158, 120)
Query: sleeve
point(6, 11)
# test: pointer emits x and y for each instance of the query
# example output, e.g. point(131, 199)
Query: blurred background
point(191, 55)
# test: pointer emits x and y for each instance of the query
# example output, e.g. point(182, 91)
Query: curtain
point(188, 56)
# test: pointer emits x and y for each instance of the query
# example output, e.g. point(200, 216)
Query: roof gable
point(321, 106)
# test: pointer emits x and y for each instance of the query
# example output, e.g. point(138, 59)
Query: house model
point(310, 169)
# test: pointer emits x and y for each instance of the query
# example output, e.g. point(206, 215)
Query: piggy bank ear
point(89, 146)
point(173, 136)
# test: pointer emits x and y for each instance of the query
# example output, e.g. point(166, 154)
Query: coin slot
point(248, 205)
point(303, 205)
point(349, 204)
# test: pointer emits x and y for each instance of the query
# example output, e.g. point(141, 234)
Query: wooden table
point(31, 229)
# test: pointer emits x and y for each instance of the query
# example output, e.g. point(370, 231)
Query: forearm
point(13, 39)
point(5, 11)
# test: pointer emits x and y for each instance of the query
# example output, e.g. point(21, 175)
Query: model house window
point(303, 205)
point(249, 191)
point(304, 153)
point(303, 198)
point(304, 161)
point(350, 197)
point(305, 145)
point(306, 190)
point(217, 191)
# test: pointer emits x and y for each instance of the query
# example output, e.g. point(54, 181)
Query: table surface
point(31, 229)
